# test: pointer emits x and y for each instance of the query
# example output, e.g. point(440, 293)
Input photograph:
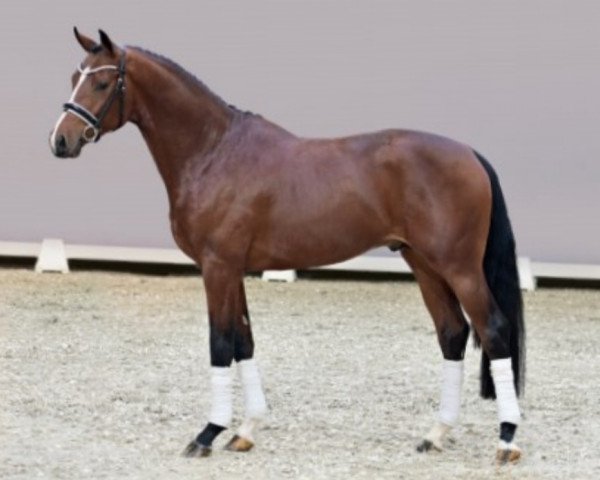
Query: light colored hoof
point(239, 444)
point(507, 453)
point(434, 439)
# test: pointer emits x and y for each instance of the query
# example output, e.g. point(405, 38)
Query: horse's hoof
point(433, 440)
point(239, 444)
point(424, 446)
point(196, 450)
point(427, 445)
point(507, 453)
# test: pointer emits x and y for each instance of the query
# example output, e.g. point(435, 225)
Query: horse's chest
point(185, 237)
point(192, 226)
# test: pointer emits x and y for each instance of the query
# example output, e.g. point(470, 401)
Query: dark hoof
point(196, 450)
point(424, 446)
point(239, 444)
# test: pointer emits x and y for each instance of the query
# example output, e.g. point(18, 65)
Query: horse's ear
point(86, 43)
point(106, 42)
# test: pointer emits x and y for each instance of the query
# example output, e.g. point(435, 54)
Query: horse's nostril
point(60, 146)
point(61, 142)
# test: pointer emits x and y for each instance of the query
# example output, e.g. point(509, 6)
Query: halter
point(91, 133)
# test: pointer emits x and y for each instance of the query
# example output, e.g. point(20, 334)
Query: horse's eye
point(101, 86)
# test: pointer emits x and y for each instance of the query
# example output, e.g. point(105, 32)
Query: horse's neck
point(180, 123)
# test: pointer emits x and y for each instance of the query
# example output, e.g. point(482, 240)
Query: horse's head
point(97, 103)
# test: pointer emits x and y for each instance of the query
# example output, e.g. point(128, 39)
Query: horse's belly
point(302, 258)
point(315, 244)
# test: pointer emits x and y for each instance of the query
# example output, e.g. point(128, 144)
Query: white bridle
point(92, 130)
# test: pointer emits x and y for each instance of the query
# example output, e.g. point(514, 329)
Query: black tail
point(500, 267)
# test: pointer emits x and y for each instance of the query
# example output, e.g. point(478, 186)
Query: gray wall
point(518, 80)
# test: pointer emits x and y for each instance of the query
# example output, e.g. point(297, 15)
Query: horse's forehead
point(94, 60)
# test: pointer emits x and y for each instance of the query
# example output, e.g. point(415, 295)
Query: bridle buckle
point(90, 133)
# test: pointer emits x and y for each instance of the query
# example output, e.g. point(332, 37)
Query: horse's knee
point(453, 340)
point(244, 348)
point(222, 347)
point(243, 343)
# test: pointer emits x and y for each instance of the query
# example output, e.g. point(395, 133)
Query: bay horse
point(247, 195)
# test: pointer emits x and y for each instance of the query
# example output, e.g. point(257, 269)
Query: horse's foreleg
point(254, 398)
point(453, 333)
point(221, 283)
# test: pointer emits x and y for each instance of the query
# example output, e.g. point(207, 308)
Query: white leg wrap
point(506, 396)
point(221, 401)
point(452, 379)
point(254, 398)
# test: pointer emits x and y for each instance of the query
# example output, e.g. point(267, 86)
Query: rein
point(91, 133)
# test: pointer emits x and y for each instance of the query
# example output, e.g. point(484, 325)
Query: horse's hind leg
point(254, 398)
point(494, 331)
point(453, 332)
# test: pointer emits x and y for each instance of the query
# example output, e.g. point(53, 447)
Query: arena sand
point(105, 376)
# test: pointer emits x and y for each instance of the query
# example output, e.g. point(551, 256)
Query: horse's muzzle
point(61, 148)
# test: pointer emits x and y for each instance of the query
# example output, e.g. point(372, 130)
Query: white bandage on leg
point(221, 396)
point(452, 379)
point(506, 396)
point(254, 398)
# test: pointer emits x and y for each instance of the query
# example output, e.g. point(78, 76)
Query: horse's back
point(331, 199)
point(404, 172)
point(291, 202)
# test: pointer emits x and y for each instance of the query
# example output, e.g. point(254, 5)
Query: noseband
point(94, 123)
